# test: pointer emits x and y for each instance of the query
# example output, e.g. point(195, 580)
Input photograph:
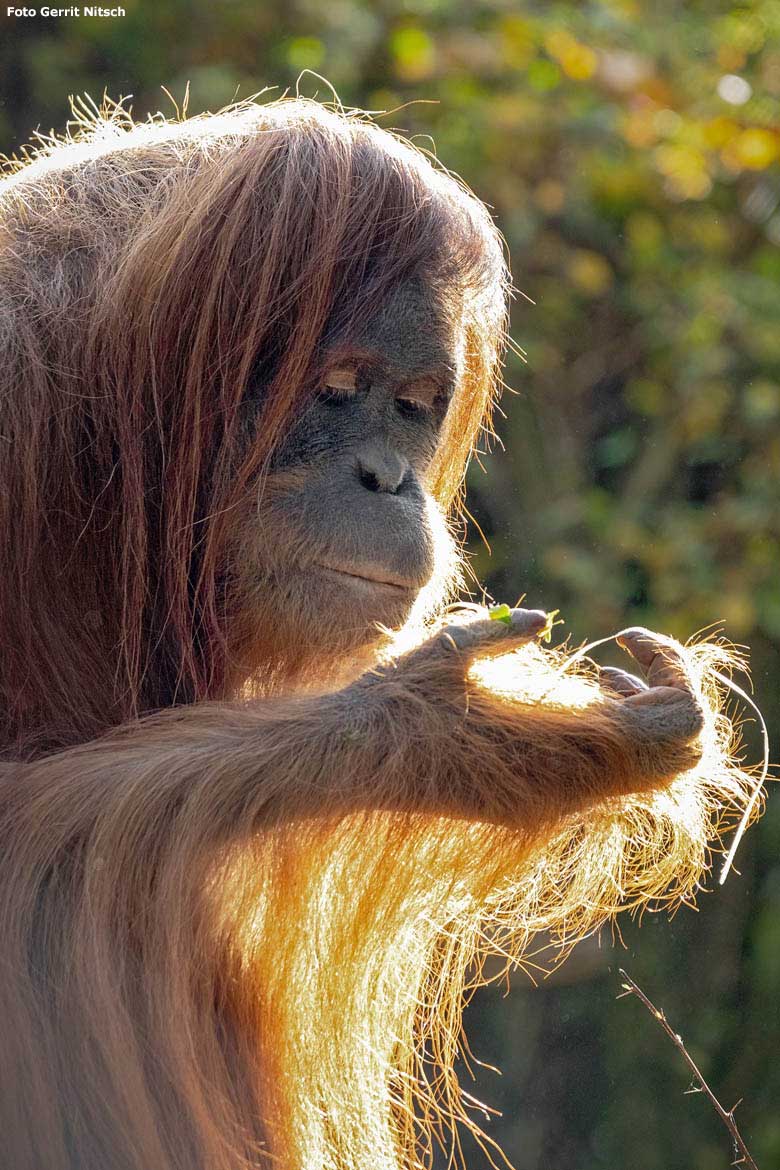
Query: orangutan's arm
point(413, 736)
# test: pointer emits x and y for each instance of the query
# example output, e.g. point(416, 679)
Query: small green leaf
point(546, 634)
point(501, 613)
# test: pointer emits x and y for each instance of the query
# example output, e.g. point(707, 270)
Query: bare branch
point(726, 1115)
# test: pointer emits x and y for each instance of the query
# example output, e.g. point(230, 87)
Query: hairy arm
point(417, 735)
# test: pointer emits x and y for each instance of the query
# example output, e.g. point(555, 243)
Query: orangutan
point(262, 809)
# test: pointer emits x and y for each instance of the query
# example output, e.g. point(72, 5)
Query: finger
point(658, 656)
point(620, 682)
point(670, 712)
point(486, 637)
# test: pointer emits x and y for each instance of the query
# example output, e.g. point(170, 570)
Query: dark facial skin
point(343, 516)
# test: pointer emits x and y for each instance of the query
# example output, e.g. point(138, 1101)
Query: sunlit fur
point(229, 928)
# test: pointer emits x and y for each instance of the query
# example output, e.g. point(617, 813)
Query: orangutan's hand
point(666, 711)
point(652, 728)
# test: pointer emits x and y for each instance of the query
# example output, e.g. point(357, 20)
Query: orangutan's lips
point(367, 579)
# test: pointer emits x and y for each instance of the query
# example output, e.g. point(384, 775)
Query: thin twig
point(726, 1115)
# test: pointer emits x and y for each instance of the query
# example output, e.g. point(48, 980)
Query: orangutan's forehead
point(417, 327)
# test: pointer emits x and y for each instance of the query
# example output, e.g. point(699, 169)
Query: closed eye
point(339, 384)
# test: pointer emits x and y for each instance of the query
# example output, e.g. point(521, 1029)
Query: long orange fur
point(238, 921)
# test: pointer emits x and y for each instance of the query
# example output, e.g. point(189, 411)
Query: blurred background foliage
point(631, 155)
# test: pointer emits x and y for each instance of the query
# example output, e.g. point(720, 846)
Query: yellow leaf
point(756, 148)
point(579, 62)
point(719, 131)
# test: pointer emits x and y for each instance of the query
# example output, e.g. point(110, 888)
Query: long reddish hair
point(205, 954)
point(151, 274)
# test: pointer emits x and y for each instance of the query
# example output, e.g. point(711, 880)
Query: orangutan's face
point(344, 531)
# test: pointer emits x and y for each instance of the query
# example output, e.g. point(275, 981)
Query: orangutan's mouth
point(367, 579)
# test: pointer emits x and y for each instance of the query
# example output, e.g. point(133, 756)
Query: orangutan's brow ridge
point(373, 361)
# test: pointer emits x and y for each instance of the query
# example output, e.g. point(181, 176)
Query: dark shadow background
point(631, 155)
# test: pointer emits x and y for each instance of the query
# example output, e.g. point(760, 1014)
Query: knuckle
point(695, 713)
point(677, 715)
point(686, 715)
point(453, 640)
point(461, 638)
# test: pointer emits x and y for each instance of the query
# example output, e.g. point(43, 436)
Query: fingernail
point(529, 619)
point(633, 632)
